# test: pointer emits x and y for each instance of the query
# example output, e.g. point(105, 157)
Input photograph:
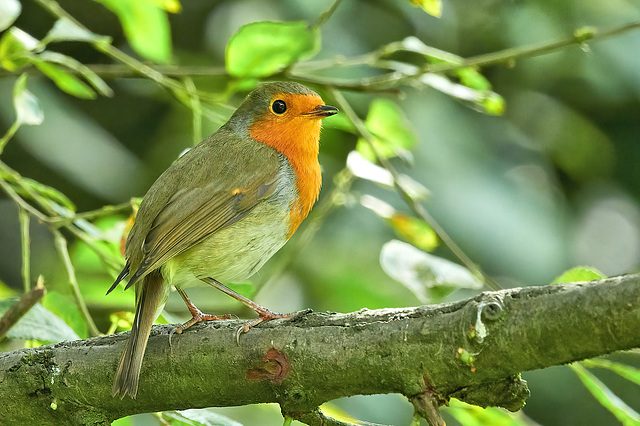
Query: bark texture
point(472, 350)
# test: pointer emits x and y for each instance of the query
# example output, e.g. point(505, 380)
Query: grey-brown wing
point(194, 214)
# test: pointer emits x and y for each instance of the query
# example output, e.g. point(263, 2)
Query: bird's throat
point(298, 140)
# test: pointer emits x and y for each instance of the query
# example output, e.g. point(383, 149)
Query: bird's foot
point(198, 316)
point(263, 315)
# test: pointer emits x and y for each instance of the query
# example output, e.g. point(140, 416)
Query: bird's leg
point(197, 315)
point(264, 314)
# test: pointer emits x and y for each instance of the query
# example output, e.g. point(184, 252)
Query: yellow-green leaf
point(264, 48)
point(415, 231)
point(579, 274)
point(145, 25)
point(65, 81)
point(16, 48)
point(432, 7)
point(390, 128)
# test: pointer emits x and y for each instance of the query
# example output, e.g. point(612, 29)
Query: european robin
point(221, 210)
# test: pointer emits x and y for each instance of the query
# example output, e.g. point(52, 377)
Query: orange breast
point(297, 138)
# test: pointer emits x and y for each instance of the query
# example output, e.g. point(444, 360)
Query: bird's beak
point(322, 111)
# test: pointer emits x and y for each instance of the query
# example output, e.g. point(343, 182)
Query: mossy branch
point(472, 350)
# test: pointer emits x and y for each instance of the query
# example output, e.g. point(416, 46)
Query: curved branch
point(472, 350)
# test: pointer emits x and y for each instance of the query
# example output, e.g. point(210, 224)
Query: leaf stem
point(326, 15)
point(7, 136)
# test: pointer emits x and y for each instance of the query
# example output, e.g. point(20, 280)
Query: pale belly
point(233, 253)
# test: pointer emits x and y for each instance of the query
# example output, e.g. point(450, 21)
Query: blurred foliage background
point(544, 182)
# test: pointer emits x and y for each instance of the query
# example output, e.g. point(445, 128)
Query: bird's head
point(284, 115)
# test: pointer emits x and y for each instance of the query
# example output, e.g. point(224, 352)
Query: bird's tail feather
point(150, 298)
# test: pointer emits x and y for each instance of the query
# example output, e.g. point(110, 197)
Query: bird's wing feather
point(202, 206)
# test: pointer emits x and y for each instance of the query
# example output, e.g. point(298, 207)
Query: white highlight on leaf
point(419, 271)
point(365, 169)
point(9, 12)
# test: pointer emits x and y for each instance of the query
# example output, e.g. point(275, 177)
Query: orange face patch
point(295, 135)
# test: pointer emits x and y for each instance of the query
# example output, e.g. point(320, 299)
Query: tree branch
point(472, 350)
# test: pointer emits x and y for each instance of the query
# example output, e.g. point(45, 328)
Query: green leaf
point(28, 109)
point(146, 27)
point(16, 48)
point(390, 128)
point(626, 371)
point(415, 231)
point(471, 415)
point(420, 272)
point(432, 7)
point(39, 324)
point(73, 64)
point(66, 309)
point(66, 30)
point(579, 274)
point(484, 101)
point(65, 81)
point(197, 417)
point(264, 48)
point(625, 414)
point(9, 12)
point(365, 169)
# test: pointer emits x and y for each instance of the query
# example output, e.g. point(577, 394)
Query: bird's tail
point(151, 296)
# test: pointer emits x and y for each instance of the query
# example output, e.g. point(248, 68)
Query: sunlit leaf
point(415, 231)
point(579, 274)
point(39, 324)
point(9, 12)
point(198, 417)
point(171, 6)
point(66, 309)
point(5, 291)
point(432, 7)
point(65, 81)
point(624, 413)
point(472, 87)
point(16, 48)
point(123, 421)
point(66, 30)
point(340, 122)
point(420, 271)
point(471, 415)
point(75, 65)
point(484, 101)
point(28, 109)
point(365, 169)
point(626, 371)
point(392, 133)
point(146, 27)
point(264, 48)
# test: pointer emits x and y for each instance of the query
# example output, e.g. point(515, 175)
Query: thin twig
point(63, 251)
point(417, 208)
point(25, 221)
point(326, 15)
point(580, 36)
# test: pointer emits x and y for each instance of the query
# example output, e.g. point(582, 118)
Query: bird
point(221, 210)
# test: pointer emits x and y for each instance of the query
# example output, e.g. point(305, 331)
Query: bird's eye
point(279, 107)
